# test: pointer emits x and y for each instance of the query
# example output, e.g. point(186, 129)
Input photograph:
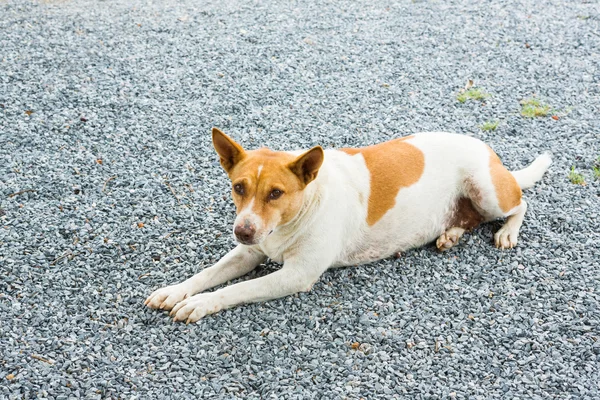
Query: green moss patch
point(532, 107)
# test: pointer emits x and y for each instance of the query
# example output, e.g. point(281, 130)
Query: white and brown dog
point(318, 209)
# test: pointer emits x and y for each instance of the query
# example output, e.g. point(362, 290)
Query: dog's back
point(407, 192)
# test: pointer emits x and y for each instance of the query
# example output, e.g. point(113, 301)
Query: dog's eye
point(275, 194)
point(239, 189)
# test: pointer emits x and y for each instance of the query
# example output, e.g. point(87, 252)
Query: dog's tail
point(527, 177)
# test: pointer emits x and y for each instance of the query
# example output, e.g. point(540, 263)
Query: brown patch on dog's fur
point(464, 215)
point(508, 191)
point(392, 166)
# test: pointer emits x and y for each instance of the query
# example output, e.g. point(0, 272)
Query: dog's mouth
point(253, 240)
point(246, 242)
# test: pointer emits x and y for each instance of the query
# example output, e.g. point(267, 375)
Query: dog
point(316, 209)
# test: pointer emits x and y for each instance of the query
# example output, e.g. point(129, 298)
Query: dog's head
point(267, 186)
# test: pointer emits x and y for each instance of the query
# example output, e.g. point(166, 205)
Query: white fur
point(331, 228)
point(527, 177)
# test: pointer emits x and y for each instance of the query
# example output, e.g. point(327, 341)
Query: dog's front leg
point(291, 278)
point(237, 262)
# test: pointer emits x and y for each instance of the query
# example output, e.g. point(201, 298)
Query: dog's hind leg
point(497, 194)
point(506, 237)
point(491, 192)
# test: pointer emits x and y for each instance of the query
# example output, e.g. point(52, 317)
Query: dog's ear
point(228, 150)
point(306, 166)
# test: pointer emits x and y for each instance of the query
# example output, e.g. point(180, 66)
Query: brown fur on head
point(267, 186)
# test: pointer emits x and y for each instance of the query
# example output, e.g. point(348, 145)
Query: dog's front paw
point(165, 298)
point(196, 307)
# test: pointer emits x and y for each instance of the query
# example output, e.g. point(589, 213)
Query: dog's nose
point(245, 233)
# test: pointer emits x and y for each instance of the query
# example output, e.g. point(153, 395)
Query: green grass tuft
point(534, 108)
point(472, 94)
point(489, 125)
point(596, 168)
point(575, 177)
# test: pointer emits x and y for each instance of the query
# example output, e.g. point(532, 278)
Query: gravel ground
point(109, 188)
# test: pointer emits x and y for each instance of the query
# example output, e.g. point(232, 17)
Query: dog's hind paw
point(506, 237)
point(449, 238)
